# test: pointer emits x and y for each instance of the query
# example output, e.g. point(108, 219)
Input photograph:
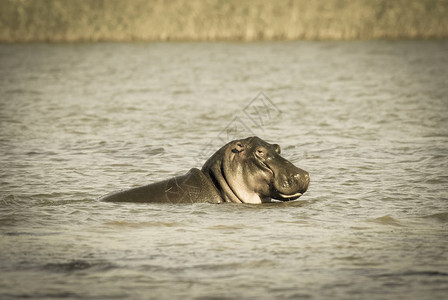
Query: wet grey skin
point(243, 171)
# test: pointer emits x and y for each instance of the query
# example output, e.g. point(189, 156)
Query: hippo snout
point(291, 183)
point(303, 179)
point(298, 182)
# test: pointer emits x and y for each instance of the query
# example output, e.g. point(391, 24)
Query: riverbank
point(213, 20)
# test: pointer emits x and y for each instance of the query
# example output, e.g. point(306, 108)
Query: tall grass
point(161, 20)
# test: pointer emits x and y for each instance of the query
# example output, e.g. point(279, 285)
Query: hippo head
point(252, 171)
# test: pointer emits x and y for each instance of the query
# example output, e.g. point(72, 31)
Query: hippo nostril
point(307, 179)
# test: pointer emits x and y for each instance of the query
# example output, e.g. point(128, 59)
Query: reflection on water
point(366, 119)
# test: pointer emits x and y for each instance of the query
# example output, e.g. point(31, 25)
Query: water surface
point(368, 120)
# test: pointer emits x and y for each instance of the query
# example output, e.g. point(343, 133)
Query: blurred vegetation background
point(201, 20)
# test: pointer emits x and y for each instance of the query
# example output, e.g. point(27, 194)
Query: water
point(368, 120)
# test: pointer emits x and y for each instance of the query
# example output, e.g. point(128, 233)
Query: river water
point(368, 120)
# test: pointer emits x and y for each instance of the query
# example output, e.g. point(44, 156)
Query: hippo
point(243, 171)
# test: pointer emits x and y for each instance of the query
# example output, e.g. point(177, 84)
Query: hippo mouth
point(289, 197)
point(285, 198)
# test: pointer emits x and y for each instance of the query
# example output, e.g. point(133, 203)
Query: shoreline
point(213, 20)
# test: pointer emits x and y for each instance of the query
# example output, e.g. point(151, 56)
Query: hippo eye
point(260, 153)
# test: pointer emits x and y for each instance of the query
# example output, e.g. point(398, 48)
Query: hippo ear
point(277, 148)
point(238, 147)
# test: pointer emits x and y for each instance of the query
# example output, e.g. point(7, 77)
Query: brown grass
point(203, 20)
